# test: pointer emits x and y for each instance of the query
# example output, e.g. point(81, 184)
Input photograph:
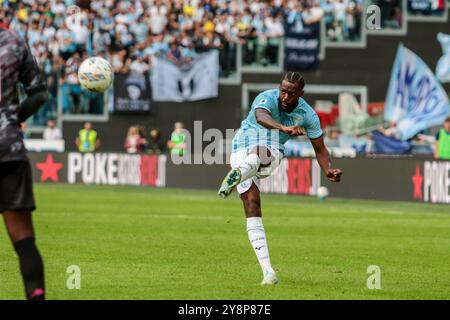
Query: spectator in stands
point(351, 14)
point(442, 144)
point(140, 65)
point(26, 133)
point(390, 131)
point(274, 31)
point(134, 142)
point(143, 134)
point(174, 54)
point(388, 12)
point(52, 132)
point(87, 140)
point(343, 19)
point(158, 16)
point(155, 145)
point(177, 143)
point(118, 60)
point(332, 140)
point(335, 33)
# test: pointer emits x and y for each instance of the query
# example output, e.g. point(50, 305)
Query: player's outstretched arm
point(264, 118)
point(31, 104)
point(323, 157)
point(33, 81)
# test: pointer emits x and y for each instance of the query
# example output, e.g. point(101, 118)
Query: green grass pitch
point(145, 243)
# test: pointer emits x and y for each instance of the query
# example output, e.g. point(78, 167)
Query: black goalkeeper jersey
point(17, 65)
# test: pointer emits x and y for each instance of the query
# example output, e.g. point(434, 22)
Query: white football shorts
point(239, 156)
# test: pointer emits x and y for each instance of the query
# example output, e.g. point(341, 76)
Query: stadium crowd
point(132, 33)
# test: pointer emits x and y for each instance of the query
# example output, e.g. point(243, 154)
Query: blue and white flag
point(443, 65)
point(415, 99)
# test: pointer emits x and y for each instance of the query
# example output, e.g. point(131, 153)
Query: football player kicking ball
point(276, 116)
point(16, 187)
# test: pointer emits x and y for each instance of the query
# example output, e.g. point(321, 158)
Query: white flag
point(443, 65)
point(196, 81)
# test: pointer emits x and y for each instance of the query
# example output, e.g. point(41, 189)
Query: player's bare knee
point(19, 225)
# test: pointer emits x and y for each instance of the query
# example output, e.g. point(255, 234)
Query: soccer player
point(17, 65)
point(276, 116)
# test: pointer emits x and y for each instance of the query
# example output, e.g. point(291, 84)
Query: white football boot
point(270, 278)
point(232, 179)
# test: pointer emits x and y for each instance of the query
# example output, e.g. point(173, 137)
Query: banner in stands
point(302, 45)
point(190, 82)
point(426, 7)
point(443, 64)
point(415, 99)
point(132, 93)
point(100, 168)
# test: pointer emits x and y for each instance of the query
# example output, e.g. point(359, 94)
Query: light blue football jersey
point(252, 134)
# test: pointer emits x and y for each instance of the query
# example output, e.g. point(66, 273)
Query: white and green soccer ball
point(95, 74)
point(322, 193)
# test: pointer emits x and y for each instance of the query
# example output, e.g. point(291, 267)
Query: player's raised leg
point(256, 234)
point(21, 233)
point(247, 169)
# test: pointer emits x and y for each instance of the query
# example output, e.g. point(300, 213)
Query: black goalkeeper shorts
point(16, 186)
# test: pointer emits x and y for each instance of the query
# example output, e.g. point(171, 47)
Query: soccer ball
point(322, 193)
point(95, 74)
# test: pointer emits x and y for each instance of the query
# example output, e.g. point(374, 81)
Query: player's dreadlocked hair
point(294, 77)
